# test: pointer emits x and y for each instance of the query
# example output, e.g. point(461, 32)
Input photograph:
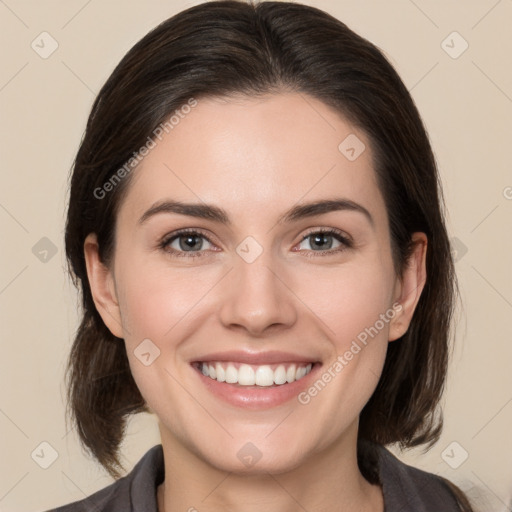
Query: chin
point(256, 455)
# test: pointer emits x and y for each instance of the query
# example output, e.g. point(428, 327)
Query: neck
point(326, 481)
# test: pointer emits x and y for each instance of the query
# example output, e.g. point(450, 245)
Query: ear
point(102, 286)
point(409, 287)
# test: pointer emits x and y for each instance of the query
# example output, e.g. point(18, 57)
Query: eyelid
point(346, 238)
point(169, 236)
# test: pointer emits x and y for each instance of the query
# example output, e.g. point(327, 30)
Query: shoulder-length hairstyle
point(222, 48)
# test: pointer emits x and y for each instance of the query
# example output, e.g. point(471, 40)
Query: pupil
point(319, 240)
point(190, 242)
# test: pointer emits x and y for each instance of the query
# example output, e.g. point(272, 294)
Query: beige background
point(466, 103)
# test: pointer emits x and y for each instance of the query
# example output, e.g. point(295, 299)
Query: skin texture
point(256, 158)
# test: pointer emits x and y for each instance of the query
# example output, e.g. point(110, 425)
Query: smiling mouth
point(265, 375)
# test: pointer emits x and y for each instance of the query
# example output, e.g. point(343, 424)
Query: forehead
point(257, 156)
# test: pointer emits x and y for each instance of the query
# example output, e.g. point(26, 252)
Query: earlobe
point(410, 287)
point(102, 286)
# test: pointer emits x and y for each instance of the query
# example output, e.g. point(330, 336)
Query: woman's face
point(254, 293)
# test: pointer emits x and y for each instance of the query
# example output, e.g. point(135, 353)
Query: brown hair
point(220, 48)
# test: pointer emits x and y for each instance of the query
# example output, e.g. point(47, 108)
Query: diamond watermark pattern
point(44, 455)
point(352, 147)
point(454, 455)
point(459, 249)
point(146, 352)
point(454, 45)
point(44, 45)
point(249, 455)
point(249, 249)
point(44, 250)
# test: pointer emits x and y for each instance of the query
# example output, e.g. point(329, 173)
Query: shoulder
point(408, 488)
point(135, 491)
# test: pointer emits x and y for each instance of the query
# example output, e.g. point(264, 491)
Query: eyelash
point(346, 242)
point(339, 235)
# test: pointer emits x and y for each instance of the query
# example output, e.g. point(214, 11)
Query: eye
point(193, 243)
point(187, 242)
point(326, 241)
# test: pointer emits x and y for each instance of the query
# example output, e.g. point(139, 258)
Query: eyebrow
point(217, 214)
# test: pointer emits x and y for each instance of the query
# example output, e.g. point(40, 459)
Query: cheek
point(349, 300)
point(160, 305)
point(154, 301)
point(355, 308)
point(154, 306)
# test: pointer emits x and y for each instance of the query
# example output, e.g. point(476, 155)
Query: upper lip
point(256, 358)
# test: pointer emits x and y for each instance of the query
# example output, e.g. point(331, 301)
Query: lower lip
point(257, 397)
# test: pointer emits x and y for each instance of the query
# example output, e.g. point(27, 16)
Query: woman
point(255, 222)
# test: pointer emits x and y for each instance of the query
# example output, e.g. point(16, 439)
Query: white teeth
point(264, 376)
point(221, 374)
point(280, 375)
point(291, 373)
point(231, 374)
point(247, 375)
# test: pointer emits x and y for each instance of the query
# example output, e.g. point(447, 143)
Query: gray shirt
point(405, 489)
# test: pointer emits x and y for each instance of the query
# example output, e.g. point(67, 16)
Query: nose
point(257, 298)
